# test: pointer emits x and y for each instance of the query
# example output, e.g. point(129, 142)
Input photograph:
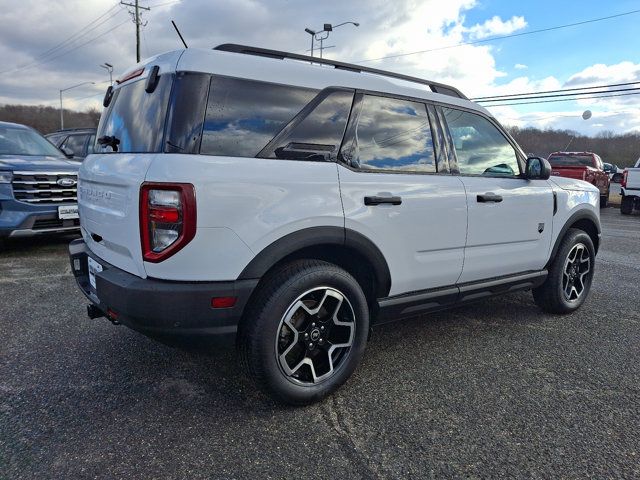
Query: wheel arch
point(344, 247)
point(584, 220)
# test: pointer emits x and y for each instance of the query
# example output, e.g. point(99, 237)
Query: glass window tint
point(55, 139)
point(136, 117)
point(480, 147)
point(91, 144)
point(75, 143)
point(394, 135)
point(244, 115)
point(320, 132)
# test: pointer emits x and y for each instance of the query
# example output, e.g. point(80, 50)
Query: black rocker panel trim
point(425, 301)
point(318, 237)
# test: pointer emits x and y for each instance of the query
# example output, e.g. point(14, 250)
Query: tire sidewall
point(276, 307)
point(572, 239)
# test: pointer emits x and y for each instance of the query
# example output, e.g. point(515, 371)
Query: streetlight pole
point(109, 68)
point(326, 28)
point(64, 90)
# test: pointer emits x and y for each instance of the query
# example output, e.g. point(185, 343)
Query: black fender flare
point(317, 237)
point(580, 215)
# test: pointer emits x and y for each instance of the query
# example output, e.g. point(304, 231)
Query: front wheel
point(604, 200)
point(305, 331)
point(570, 275)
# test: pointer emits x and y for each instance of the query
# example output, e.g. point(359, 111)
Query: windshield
point(136, 118)
point(571, 161)
point(24, 141)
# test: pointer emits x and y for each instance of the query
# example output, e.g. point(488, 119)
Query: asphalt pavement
point(493, 390)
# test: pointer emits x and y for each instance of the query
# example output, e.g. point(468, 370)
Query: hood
point(25, 163)
point(573, 184)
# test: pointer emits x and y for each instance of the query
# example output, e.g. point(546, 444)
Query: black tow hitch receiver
point(94, 312)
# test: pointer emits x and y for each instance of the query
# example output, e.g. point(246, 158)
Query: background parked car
point(78, 141)
point(586, 166)
point(614, 172)
point(38, 185)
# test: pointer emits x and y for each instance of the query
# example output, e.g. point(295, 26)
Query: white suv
point(295, 202)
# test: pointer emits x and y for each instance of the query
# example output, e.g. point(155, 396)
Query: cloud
point(496, 26)
point(520, 66)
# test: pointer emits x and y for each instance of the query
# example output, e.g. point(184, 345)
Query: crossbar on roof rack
point(265, 52)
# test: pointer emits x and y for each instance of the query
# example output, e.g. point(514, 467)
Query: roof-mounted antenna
point(179, 34)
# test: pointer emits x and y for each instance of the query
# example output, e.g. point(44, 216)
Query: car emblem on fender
point(66, 182)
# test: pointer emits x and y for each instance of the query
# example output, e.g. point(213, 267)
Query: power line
point(488, 98)
point(47, 60)
point(501, 37)
point(562, 100)
point(532, 97)
point(80, 33)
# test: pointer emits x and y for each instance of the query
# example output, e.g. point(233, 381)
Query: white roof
point(292, 72)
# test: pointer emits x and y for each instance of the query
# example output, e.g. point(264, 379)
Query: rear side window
point(244, 115)
point(318, 133)
point(393, 135)
point(75, 143)
point(571, 160)
point(136, 118)
point(481, 149)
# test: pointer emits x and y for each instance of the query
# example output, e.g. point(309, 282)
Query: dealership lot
point(493, 389)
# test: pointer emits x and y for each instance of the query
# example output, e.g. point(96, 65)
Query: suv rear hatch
point(109, 181)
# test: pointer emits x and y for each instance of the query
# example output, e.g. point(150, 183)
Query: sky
point(47, 46)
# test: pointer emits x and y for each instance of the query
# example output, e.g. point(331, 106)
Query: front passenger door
point(509, 217)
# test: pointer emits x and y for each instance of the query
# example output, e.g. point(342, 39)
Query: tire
point(552, 296)
point(604, 200)
point(626, 206)
point(282, 335)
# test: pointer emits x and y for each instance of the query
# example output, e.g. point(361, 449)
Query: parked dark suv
point(77, 143)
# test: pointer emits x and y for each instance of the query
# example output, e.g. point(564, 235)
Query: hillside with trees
point(622, 150)
point(47, 119)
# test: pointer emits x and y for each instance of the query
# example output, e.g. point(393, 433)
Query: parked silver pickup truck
point(630, 189)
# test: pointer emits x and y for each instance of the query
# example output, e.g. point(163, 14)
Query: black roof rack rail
point(265, 52)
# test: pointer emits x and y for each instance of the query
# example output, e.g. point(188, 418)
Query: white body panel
point(438, 236)
point(256, 200)
point(108, 201)
point(633, 182)
point(423, 238)
point(503, 238)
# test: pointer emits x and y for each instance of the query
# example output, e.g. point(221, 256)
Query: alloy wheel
point(575, 273)
point(315, 336)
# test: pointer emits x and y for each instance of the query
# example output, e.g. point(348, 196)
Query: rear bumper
point(159, 307)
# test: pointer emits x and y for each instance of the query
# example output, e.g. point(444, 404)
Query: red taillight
point(623, 183)
point(129, 76)
point(167, 219)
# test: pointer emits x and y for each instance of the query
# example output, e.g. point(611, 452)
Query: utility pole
point(136, 20)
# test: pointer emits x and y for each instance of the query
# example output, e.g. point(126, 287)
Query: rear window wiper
point(109, 141)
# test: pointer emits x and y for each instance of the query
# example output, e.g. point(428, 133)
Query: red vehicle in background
point(585, 166)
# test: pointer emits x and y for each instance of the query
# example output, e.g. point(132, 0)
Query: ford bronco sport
point(294, 202)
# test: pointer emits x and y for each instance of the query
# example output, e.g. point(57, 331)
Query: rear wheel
point(305, 332)
point(570, 275)
point(626, 206)
point(604, 199)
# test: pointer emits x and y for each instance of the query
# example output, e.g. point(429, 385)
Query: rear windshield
point(136, 118)
point(24, 141)
point(571, 161)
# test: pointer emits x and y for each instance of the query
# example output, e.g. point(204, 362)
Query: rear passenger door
point(510, 217)
point(397, 191)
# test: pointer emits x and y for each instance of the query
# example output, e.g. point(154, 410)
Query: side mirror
point(67, 153)
point(537, 169)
